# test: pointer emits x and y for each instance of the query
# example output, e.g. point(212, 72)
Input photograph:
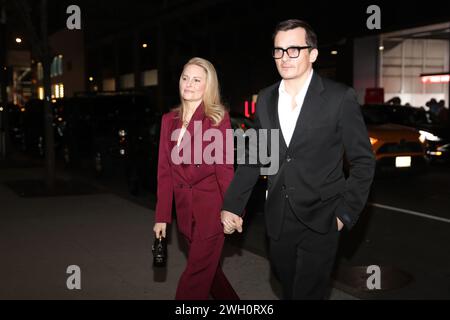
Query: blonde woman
point(198, 187)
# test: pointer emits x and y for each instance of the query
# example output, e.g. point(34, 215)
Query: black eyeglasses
point(292, 52)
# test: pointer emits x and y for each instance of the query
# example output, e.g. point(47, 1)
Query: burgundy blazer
point(199, 188)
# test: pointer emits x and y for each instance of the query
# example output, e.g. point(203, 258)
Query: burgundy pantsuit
point(198, 189)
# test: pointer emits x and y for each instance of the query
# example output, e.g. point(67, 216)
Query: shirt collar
point(302, 92)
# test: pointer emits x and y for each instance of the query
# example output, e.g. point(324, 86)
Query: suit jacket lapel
point(272, 104)
point(185, 143)
point(272, 108)
point(198, 115)
point(311, 105)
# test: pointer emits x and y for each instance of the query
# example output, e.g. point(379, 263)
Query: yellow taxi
point(396, 147)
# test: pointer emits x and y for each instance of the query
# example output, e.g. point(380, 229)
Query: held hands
point(160, 229)
point(231, 222)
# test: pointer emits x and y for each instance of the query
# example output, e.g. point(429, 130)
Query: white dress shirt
point(287, 115)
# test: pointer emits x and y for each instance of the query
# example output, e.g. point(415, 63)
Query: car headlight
point(425, 135)
point(373, 140)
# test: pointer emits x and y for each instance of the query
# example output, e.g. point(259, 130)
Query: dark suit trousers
point(303, 259)
point(203, 275)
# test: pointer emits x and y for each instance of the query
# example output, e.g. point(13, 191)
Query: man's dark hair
point(311, 37)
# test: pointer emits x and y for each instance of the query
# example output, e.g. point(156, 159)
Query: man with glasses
point(309, 200)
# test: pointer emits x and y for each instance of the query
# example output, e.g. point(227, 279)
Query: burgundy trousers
point(203, 275)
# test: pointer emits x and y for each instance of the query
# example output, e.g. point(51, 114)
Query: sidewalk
point(110, 239)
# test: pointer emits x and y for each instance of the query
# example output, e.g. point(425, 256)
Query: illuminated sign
point(436, 78)
point(247, 111)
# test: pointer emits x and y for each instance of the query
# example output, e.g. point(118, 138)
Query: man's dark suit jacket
point(311, 174)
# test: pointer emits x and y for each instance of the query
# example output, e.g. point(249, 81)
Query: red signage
point(374, 96)
point(247, 112)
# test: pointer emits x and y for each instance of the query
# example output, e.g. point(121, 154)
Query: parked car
point(435, 136)
point(396, 147)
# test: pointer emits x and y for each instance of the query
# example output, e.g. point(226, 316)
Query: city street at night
point(199, 151)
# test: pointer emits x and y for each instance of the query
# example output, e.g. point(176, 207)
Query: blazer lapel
point(176, 125)
point(198, 115)
point(272, 103)
point(186, 143)
point(311, 105)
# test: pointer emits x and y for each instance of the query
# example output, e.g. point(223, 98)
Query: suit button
point(286, 196)
point(288, 159)
point(283, 187)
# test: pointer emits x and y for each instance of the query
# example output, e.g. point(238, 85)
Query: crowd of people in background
point(436, 111)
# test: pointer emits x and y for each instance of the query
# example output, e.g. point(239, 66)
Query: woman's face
point(193, 83)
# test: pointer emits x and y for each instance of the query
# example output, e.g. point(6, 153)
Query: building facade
point(410, 64)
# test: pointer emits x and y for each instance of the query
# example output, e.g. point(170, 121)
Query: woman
point(198, 188)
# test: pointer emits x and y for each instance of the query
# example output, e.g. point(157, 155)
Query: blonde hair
point(213, 107)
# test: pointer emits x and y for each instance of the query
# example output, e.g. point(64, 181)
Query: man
point(309, 200)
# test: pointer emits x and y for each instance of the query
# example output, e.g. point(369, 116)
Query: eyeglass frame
point(300, 48)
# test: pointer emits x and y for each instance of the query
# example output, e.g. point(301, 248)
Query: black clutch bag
point(159, 250)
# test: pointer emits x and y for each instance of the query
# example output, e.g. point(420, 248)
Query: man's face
point(294, 68)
